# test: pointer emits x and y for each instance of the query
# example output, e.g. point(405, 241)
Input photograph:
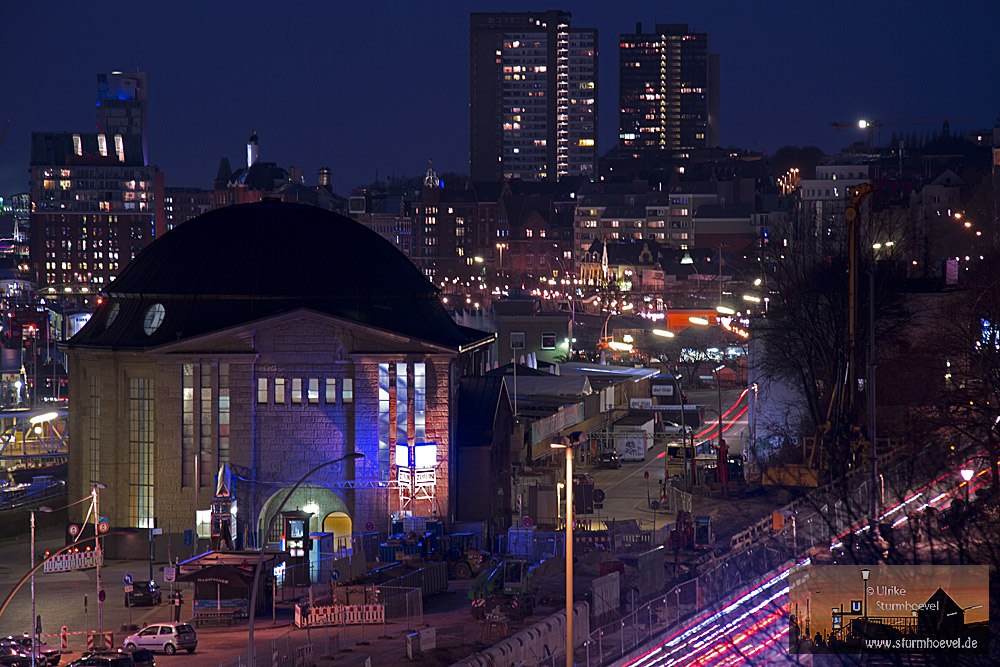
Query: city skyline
point(382, 89)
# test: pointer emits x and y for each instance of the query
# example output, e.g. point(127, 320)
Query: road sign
point(74, 529)
point(169, 574)
point(188, 537)
point(128, 578)
point(101, 595)
point(855, 607)
point(103, 527)
point(645, 473)
point(156, 531)
point(128, 588)
point(369, 526)
point(526, 522)
point(655, 505)
point(598, 495)
point(335, 574)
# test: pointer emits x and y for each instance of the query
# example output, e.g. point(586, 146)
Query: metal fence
point(290, 649)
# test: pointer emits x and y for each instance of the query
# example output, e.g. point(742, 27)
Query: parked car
point(142, 657)
point(166, 637)
point(10, 656)
point(146, 593)
point(104, 659)
point(675, 428)
point(47, 654)
point(609, 459)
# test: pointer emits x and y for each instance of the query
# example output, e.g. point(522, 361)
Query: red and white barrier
point(94, 640)
point(74, 561)
point(340, 614)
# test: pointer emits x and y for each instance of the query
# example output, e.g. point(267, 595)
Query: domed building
point(251, 344)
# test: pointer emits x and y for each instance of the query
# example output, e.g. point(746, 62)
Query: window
point(279, 390)
point(187, 425)
point(141, 456)
point(224, 413)
point(95, 429)
point(347, 394)
point(331, 391)
point(419, 402)
point(296, 390)
point(517, 340)
point(206, 472)
point(262, 390)
point(313, 392)
point(548, 341)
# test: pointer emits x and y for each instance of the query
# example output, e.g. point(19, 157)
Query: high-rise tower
point(668, 91)
point(121, 106)
point(533, 96)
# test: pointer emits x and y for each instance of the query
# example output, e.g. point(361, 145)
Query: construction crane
point(870, 125)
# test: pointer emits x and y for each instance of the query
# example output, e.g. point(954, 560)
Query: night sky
point(373, 87)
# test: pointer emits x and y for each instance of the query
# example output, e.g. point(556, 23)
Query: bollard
point(64, 639)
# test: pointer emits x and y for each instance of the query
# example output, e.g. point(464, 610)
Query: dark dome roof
point(240, 264)
point(272, 250)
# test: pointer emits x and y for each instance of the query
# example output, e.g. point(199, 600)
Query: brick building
point(228, 343)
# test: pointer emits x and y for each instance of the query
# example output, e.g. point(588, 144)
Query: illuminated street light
point(725, 310)
point(563, 442)
point(663, 333)
point(751, 298)
point(687, 259)
point(698, 320)
point(967, 475)
point(865, 572)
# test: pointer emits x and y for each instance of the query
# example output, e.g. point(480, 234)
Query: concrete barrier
point(535, 644)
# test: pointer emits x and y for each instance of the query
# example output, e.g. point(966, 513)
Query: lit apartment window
point(313, 391)
point(331, 391)
point(279, 390)
point(262, 390)
point(548, 341)
point(347, 394)
point(296, 390)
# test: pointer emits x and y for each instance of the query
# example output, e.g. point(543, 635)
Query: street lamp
point(865, 573)
point(34, 619)
point(563, 442)
point(252, 661)
point(723, 454)
point(967, 475)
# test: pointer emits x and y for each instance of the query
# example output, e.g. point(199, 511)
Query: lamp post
point(564, 443)
point(94, 486)
point(34, 622)
point(252, 656)
point(967, 475)
point(723, 454)
point(865, 573)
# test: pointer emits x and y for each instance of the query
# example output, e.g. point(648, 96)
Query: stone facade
point(271, 444)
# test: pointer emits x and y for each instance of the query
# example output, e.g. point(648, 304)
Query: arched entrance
point(338, 523)
point(313, 498)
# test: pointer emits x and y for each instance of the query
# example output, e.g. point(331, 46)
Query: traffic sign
point(335, 574)
point(128, 588)
point(526, 522)
point(645, 473)
point(103, 527)
point(369, 526)
point(169, 574)
point(128, 578)
point(74, 529)
point(598, 495)
point(101, 595)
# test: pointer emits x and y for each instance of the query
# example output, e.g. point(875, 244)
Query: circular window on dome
point(112, 315)
point(153, 319)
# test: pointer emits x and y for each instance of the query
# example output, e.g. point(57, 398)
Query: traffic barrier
point(64, 639)
point(74, 561)
point(340, 614)
point(94, 639)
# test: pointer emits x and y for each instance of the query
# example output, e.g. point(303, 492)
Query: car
point(104, 659)
point(144, 593)
point(10, 656)
point(166, 637)
point(47, 654)
point(609, 459)
point(142, 657)
point(675, 428)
